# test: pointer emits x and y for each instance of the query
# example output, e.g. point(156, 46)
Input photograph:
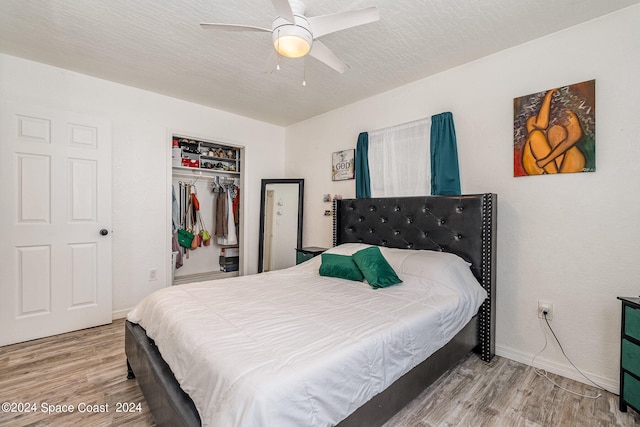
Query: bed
point(460, 225)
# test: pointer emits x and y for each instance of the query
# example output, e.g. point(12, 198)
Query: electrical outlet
point(545, 307)
point(153, 274)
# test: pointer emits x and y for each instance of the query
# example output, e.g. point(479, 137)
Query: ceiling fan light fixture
point(292, 40)
point(292, 46)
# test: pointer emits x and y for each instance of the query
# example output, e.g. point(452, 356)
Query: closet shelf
point(204, 156)
point(192, 172)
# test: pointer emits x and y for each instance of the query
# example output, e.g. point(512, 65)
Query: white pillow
point(347, 248)
point(440, 267)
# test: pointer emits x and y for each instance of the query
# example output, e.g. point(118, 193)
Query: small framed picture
point(343, 165)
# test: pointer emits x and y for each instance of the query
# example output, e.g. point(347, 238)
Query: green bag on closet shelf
point(185, 237)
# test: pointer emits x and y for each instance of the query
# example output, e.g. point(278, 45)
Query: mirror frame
point(263, 192)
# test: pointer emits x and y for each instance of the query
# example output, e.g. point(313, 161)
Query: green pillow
point(375, 268)
point(341, 266)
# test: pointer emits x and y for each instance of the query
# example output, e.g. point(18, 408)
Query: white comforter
point(292, 348)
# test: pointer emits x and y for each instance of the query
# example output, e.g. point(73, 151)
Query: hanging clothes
point(232, 236)
point(219, 220)
point(236, 206)
point(229, 237)
point(175, 209)
point(195, 206)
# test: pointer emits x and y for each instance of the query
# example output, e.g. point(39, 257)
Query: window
point(399, 162)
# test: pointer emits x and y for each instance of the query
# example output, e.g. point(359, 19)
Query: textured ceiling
point(158, 45)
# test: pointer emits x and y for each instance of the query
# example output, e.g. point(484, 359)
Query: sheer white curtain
point(399, 162)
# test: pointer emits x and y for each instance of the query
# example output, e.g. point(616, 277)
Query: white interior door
point(55, 199)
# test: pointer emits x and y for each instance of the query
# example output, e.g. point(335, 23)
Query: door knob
point(104, 232)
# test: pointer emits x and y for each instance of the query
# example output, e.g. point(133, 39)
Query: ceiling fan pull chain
point(304, 71)
point(278, 49)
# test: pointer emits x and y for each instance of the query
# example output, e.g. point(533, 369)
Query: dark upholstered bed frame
point(463, 225)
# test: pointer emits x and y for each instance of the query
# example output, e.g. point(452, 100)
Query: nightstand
point(304, 254)
point(630, 354)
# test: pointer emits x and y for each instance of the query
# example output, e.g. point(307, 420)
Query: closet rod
point(208, 177)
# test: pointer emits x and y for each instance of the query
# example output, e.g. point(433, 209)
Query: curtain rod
point(412, 122)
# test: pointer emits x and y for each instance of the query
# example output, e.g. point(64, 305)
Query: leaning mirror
point(280, 223)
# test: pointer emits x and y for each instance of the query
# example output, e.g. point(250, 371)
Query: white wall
point(141, 122)
point(572, 239)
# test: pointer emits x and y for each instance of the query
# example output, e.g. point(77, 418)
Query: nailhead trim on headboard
point(487, 310)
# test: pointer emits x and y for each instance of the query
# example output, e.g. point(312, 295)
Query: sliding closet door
point(55, 223)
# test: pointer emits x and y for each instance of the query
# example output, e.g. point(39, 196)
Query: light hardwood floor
point(88, 367)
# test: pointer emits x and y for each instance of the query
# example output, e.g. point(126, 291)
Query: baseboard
point(120, 314)
point(564, 370)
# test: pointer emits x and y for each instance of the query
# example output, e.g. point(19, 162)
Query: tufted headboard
point(464, 225)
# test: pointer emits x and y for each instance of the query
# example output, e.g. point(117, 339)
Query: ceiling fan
point(294, 35)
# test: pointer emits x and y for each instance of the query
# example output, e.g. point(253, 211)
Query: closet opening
point(205, 210)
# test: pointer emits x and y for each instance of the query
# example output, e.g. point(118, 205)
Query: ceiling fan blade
point(326, 24)
point(272, 62)
point(323, 54)
point(283, 9)
point(233, 27)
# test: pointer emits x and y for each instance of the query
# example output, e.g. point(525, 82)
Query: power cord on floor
point(543, 373)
